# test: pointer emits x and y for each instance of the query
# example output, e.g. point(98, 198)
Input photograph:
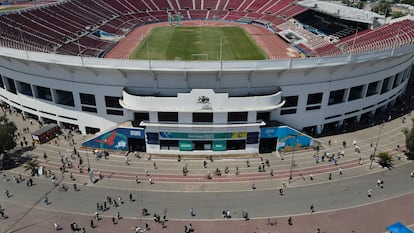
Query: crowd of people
point(67, 163)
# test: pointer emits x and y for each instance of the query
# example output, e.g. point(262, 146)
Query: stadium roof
point(341, 11)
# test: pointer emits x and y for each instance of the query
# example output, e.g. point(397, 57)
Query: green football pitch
point(198, 43)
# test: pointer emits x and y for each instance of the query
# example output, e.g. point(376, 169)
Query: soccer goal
point(199, 57)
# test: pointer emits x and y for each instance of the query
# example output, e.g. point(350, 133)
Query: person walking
point(192, 214)
point(46, 200)
point(380, 183)
point(57, 226)
point(5, 178)
point(96, 216)
point(7, 193)
point(369, 193)
point(312, 209)
point(290, 221)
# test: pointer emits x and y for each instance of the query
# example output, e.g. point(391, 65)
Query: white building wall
point(106, 77)
point(220, 118)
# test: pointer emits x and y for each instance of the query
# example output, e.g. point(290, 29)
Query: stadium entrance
point(202, 145)
point(137, 144)
point(267, 145)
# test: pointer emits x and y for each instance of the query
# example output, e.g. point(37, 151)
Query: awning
point(399, 228)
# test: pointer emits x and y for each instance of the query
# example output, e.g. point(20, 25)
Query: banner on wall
point(202, 136)
point(186, 145)
point(116, 139)
point(286, 136)
point(219, 145)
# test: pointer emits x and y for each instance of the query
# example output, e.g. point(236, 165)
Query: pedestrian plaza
point(247, 190)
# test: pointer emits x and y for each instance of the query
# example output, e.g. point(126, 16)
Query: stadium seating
point(233, 4)
point(187, 4)
point(66, 27)
point(198, 4)
point(220, 4)
point(277, 6)
point(292, 10)
point(389, 36)
point(311, 41)
point(235, 15)
point(198, 14)
point(329, 25)
point(211, 4)
point(216, 14)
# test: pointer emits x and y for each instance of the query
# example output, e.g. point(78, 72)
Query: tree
point(397, 14)
point(32, 166)
point(360, 5)
point(383, 8)
point(7, 130)
point(409, 142)
point(410, 2)
point(385, 160)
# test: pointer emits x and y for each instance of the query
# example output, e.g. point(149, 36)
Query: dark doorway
point(267, 145)
point(236, 144)
point(202, 145)
point(136, 144)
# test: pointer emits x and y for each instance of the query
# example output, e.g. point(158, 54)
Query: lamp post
point(376, 145)
point(87, 158)
point(140, 202)
point(293, 157)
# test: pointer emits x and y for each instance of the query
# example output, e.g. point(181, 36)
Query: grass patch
point(182, 43)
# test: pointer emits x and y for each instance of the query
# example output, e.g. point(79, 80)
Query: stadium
point(302, 67)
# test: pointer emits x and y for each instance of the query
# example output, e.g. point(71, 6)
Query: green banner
point(203, 136)
point(186, 145)
point(219, 145)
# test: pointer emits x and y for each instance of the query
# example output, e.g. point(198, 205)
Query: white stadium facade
point(195, 107)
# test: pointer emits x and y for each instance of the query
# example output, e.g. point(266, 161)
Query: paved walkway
point(177, 193)
point(373, 216)
point(168, 172)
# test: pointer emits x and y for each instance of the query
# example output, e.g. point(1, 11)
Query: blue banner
point(287, 136)
point(116, 139)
